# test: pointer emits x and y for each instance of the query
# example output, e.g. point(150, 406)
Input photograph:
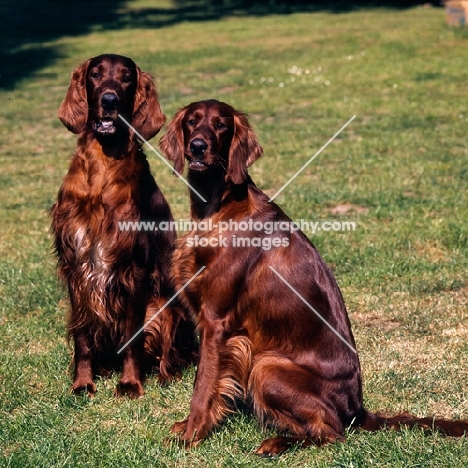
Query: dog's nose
point(109, 102)
point(198, 147)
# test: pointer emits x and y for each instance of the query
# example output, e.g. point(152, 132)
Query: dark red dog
point(116, 277)
point(273, 326)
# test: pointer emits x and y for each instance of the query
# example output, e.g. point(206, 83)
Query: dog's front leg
point(206, 405)
point(83, 357)
point(130, 383)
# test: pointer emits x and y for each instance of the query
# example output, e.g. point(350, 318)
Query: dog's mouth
point(105, 126)
point(196, 165)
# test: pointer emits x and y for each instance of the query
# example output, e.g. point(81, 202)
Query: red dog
point(273, 325)
point(116, 277)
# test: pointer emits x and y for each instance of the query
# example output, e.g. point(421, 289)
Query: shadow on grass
point(30, 27)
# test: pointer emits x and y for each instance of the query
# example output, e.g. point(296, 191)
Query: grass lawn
point(399, 171)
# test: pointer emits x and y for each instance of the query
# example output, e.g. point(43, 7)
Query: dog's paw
point(130, 388)
point(179, 427)
point(84, 386)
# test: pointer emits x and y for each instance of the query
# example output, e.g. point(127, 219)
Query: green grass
point(402, 165)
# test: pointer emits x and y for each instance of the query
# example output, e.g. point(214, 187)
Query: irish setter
point(116, 277)
point(274, 330)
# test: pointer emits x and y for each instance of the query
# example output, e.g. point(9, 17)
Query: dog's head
point(104, 87)
point(211, 134)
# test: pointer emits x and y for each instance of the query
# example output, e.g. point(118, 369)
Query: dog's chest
point(195, 254)
point(97, 232)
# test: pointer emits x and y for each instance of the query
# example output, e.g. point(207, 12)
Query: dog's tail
point(450, 427)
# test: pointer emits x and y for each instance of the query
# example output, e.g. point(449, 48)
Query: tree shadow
point(30, 27)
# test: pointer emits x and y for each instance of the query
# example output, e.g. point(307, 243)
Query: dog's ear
point(245, 149)
point(147, 116)
point(172, 143)
point(73, 112)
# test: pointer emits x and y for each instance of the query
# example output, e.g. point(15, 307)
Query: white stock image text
point(229, 233)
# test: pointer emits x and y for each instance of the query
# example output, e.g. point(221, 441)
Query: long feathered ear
point(244, 151)
point(73, 112)
point(172, 143)
point(147, 116)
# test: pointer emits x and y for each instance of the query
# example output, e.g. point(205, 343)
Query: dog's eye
point(126, 78)
point(191, 122)
point(95, 74)
point(220, 125)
